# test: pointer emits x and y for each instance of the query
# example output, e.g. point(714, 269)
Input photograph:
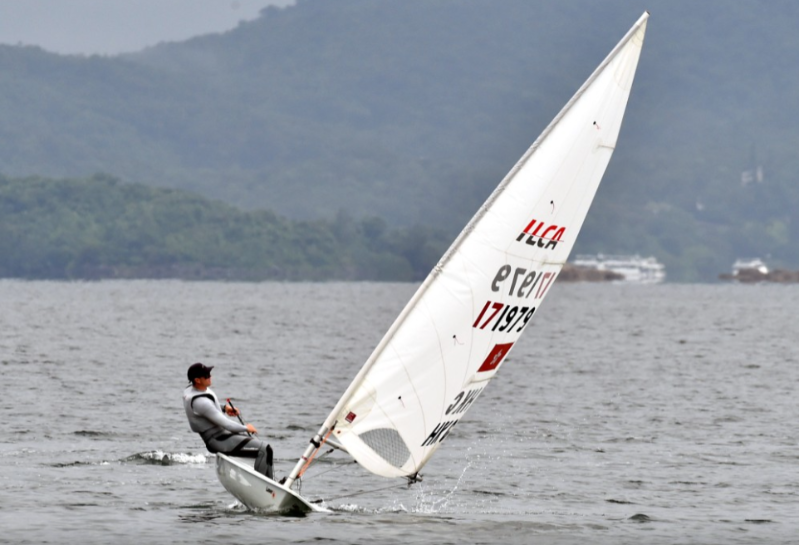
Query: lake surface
point(625, 414)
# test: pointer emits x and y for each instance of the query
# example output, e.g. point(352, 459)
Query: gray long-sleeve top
point(205, 412)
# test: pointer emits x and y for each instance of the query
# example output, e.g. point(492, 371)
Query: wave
point(92, 433)
point(154, 457)
point(74, 464)
point(159, 457)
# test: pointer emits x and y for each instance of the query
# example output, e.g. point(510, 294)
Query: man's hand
point(230, 411)
point(251, 429)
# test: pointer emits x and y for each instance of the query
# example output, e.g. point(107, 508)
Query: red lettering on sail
point(495, 357)
point(542, 289)
point(545, 239)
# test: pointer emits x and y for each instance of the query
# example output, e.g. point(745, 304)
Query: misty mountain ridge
point(414, 111)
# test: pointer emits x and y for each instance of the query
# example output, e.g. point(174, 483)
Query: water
point(626, 414)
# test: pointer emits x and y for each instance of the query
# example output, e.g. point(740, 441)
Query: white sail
point(454, 334)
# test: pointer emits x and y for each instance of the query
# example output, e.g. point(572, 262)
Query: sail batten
point(453, 336)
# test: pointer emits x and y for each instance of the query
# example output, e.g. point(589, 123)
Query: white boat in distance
point(634, 268)
point(754, 263)
point(453, 336)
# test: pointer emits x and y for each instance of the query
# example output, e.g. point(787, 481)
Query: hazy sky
point(107, 27)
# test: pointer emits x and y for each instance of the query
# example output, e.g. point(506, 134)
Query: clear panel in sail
point(458, 330)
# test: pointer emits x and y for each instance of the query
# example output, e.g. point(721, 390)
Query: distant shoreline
point(575, 273)
point(569, 273)
point(752, 276)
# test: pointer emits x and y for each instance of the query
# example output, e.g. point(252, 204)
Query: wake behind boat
point(452, 337)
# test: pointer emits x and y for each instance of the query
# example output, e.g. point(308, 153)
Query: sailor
point(219, 433)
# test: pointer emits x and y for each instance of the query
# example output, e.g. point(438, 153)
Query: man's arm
point(207, 409)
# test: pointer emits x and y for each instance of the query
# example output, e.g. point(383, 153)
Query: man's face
point(203, 382)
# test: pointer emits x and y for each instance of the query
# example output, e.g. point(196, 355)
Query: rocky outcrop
point(573, 273)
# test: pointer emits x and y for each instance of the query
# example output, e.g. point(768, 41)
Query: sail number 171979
point(504, 317)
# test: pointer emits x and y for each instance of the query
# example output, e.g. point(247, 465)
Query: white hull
point(257, 491)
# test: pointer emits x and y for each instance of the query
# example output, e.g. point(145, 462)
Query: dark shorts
point(234, 444)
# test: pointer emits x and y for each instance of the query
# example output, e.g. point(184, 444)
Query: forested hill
point(102, 228)
point(414, 110)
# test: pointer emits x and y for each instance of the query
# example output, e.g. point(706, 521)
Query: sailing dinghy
point(456, 331)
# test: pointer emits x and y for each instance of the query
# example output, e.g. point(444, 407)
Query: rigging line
point(335, 466)
point(313, 460)
point(315, 452)
point(323, 454)
point(360, 493)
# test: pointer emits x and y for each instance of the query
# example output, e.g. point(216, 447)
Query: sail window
point(388, 443)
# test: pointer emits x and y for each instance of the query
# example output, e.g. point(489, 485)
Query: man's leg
point(263, 461)
point(245, 447)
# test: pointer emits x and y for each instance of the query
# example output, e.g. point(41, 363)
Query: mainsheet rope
point(335, 466)
point(359, 493)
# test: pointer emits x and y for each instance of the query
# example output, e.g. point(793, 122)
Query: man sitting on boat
point(220, 434)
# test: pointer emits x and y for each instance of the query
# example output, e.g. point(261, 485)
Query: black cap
point(198, 370)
